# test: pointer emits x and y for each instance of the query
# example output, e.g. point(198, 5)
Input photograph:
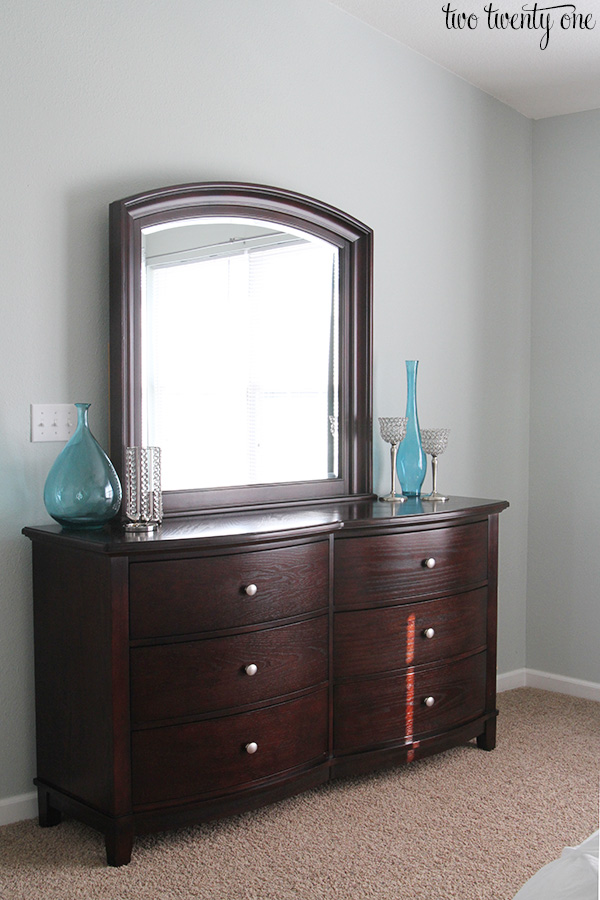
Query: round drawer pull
point(429, 563)
point(251, 669)
point(251, 590)
point(252, 747)
point(429, 632)
point(429, 701)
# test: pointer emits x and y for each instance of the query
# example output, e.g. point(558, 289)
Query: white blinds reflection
point(254, 375)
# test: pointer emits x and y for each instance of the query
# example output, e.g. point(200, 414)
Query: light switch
point(52, 421)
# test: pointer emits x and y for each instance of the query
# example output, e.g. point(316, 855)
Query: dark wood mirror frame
point(130, 216)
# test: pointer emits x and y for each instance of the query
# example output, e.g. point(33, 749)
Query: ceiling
point(511, 64)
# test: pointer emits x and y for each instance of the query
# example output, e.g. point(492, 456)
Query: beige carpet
point(465, 824)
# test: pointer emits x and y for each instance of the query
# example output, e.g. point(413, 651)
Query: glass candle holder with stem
point(393, 430)
point(434, 442)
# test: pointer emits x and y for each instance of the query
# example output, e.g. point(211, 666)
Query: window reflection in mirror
point(241, 353)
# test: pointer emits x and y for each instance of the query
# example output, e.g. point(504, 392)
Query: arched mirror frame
point(130, 216)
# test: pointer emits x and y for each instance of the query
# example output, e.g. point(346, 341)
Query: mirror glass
point(240, 379)
point(240, 325)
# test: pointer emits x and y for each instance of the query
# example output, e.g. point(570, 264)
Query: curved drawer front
point(396, 637)
point(392, 567)
point(394, 709)
point(195, 677)
point(188, 596)
point(211, 756)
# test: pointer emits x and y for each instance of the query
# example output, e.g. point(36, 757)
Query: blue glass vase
point(411, 462)
point(82, 489)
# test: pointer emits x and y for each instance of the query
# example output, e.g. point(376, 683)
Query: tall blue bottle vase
point(82, 489)
point(411, 462)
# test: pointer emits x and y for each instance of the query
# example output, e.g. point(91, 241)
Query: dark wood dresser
point(228, 661)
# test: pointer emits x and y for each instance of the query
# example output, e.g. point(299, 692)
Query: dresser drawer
point(186, 679)
point(212, 756)
point(392, 709)
point(399, 567)
point(395, 637)
point(187, 596)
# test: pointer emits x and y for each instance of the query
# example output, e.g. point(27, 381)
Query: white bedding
point(573, 876)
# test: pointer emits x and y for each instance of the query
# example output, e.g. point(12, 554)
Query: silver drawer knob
point(429, 701)
point(251, 590)
point(252, 747)
point(429, 632)
point(251, 669)
point(429, 563)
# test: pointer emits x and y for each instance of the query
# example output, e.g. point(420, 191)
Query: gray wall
point(563, 608)
point(101, 100)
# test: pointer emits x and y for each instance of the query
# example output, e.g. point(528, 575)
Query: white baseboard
point(560, 684)
point(510, 680)
point(15, 809)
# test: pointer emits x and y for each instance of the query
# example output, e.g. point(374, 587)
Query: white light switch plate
point(52, 421)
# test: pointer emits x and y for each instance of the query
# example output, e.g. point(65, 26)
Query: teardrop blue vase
point(411, 462)
point(82, 489)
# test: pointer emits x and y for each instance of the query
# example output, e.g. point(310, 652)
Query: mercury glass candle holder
point(393, 430)
point(434, 442)
point(143, 495)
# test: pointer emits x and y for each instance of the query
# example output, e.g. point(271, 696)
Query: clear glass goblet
point(393, 430)
point(434, 441)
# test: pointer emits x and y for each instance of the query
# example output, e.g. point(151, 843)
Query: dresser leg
point(119, 844)
point(487, 739)
point(47, 814)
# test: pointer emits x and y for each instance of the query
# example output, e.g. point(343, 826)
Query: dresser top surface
point(253, 526)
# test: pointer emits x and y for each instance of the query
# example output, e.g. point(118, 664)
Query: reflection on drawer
point(395, 637)
point(396, 708)
point(188, 596)
point(218, 754)
point(420, 563)
point(185, 679)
